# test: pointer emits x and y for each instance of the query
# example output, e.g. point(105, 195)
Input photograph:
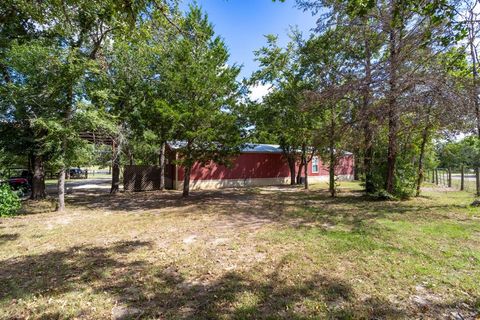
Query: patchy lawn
point(238, 254)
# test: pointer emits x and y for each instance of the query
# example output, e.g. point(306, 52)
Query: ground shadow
point(163, 291)
point(282, 205)
point(170, 295)
point(8, 237)
point(59, 271)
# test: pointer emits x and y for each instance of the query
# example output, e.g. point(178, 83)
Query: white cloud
point(258, 91)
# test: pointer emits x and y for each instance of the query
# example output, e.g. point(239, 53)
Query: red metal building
point(257, 165)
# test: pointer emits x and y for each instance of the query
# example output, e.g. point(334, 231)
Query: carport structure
point(108, 140)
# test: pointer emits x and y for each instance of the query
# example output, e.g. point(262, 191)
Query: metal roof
point(246, 148)
point(261, 148)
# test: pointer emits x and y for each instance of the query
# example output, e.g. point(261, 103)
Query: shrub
point(9, 201)
point(382, 195)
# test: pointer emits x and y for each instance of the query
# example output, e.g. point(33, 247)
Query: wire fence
point(463, 179)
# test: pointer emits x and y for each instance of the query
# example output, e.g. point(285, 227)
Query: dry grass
point(252, 253)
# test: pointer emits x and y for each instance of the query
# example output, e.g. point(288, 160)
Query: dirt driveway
point(93, 185)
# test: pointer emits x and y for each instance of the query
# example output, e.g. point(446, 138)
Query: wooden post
point(449, 177)
point(462, 179)
point(477, 180)
point(115, 168)
point(161, 162)
point(436, 177)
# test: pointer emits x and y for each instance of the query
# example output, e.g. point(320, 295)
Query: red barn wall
point(344, 168)
point(246, 165)
point(260, 166)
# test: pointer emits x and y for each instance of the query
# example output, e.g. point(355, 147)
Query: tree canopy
point(385, 80)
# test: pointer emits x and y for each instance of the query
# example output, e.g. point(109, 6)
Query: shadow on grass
point(164, 292)
point(236, 295)
point(282, 205)
point(8, 237)
point(59, 271)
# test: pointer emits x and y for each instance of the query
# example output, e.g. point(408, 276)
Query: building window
point(315, 164)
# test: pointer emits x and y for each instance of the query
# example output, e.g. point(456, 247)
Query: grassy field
point(240, 254)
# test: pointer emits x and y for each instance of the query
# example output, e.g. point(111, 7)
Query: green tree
point(19, 137)
point(202, 90)
point(285, 116)
point(393, 42)
point(72, 35)
point(130, 88)
point(329, 70)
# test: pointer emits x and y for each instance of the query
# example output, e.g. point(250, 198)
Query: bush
point(9, 201)
point(382, 195)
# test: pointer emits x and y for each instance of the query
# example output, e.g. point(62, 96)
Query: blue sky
point(243, 24)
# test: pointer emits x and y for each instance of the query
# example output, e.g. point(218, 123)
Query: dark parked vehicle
point(77, 173)
point(19, 183)
point(20, 180)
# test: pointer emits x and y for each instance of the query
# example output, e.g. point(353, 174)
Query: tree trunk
point(420, 173)
point(162, 166)
point(368, 160)
point(356, 167)
point(31, 162)
point(331, 170)
point(61, 190)
point(115, 187)
point(473, 54)
point(186, 182)
point(291, 165)
point(61, 176)
point(38, 179)
point(299, 173)
point(367, 127)
point(392, 109)
point(305, 168)
point(302, 163)
point(131, 159)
